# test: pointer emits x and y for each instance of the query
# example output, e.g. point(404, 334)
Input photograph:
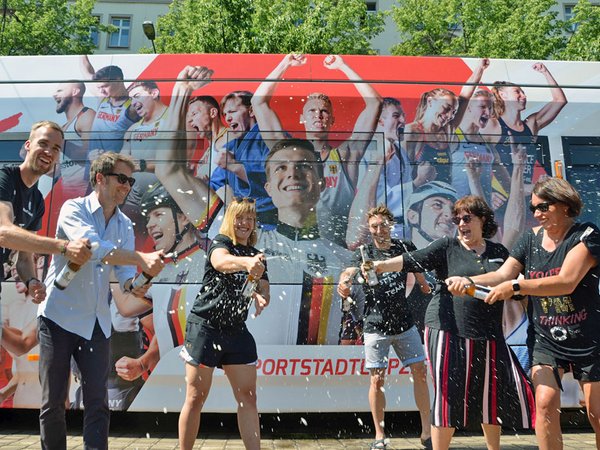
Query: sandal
point(426, 443)
point(378, 444)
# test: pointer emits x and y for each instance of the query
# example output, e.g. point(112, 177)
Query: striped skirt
point(477, 381)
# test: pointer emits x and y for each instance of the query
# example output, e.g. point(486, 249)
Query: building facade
point(129, 15)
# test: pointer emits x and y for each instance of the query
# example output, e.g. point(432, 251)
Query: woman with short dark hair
point(476, 377)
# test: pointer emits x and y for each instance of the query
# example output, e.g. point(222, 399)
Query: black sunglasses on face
point(541, 207)
point(122, 178)
point(466, 219)
point(243, 199)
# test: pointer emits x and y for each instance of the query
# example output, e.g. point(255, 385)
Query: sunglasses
point(122, 178)
point(541, 207)
point(243, 199)
point(466, 219)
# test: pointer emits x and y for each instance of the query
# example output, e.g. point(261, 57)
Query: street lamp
point(150, 32)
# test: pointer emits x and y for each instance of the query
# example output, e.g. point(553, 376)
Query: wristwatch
point(517, 290)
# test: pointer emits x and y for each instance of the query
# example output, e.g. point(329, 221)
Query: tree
point(47, 27)
point(494, 28)
point(584, 43)
point(268, 26)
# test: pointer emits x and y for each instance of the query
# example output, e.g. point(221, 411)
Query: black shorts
point(208, 346)
point(583, 369)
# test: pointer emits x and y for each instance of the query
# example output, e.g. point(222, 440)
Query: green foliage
point(268, 26)
point(494, 28)
point(47, 27)
point(584, 43)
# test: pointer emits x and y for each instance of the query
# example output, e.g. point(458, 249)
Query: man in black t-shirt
point(22, 208)
point(388, 322)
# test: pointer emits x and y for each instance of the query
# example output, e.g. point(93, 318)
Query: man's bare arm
point(16, 238)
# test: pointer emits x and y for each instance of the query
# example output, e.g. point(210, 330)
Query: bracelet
point(470, 281)
point(63, 248)
point(142, 365)
point(30, 280)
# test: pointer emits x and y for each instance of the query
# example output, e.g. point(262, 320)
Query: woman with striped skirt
point(476, 377)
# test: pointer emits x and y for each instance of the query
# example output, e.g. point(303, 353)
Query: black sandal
point(426, 443)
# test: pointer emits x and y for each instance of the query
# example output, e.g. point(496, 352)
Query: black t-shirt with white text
point(27, 203)
point(386, 308)
point(566, 326)
point(220, 301)
point(465, 316)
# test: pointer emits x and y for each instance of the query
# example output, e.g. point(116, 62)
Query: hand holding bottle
point(68, 272)
point(152, 263)
point(344, 290)
point(461, 286)
point(78, 251)
point(368, 268)
point(143, 279)
point(255, 267)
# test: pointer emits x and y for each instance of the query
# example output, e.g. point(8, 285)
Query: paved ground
point(19, 440)
point(18, 430)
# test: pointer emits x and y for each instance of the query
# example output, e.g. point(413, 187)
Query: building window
point(94, 33)
point(120, 38)
point(371, 7)
point(569, 15)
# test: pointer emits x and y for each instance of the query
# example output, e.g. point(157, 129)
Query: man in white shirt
point(76, 322)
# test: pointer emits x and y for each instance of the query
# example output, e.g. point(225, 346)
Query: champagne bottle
point(249, 287)
point(68, 272)
point(140, 280)
point(369, 268)
point(347, 303)
point(144, 278)
point(477, 291)
point(480, 292)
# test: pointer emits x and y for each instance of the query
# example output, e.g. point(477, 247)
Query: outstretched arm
point(267, 119)
point(16, 238)
point(578, 262)
point(510, 270)
point(549, 111)
point(192, 194)
point(395, 264)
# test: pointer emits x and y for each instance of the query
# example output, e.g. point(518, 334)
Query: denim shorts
point(407, 345)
